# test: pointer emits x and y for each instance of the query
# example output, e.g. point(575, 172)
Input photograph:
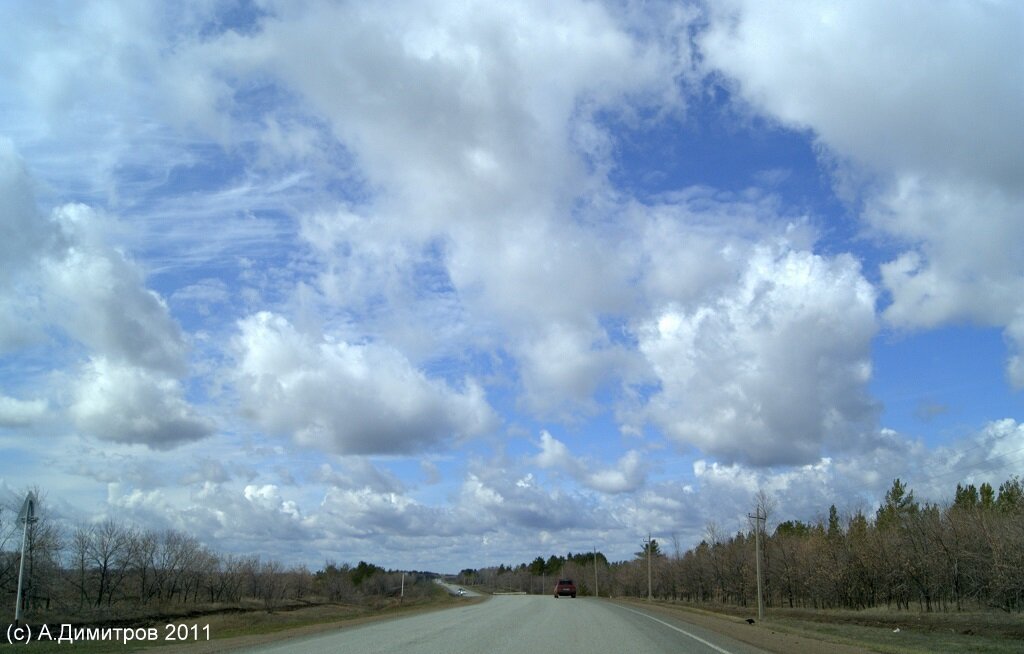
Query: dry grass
point(230, 624)
point(875, 629)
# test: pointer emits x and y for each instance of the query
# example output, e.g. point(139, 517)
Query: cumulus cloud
point(129, 391)
point(628, 474)
point(462, 106)
point(25, 234)
point(565, 365)
point(500, 501)
point(128, 404)
point(364, 512)
point(992, 454)
point(771, 370)
point(476, 130)
point(256, 513)
point(923, 102)
point(20, 413)
point(103, 301)
point(348, 398)
point(898, 86)
point(23, 231)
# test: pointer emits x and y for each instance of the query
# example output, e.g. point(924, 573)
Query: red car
point(565, 587)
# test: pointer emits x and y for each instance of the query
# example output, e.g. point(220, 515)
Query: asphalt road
point(453, 589)
point(522, 624)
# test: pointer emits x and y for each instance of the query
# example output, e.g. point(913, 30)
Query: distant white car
point(462, 592)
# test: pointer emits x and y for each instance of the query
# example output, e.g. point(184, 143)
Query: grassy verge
point(236, 629)
point(892, 632)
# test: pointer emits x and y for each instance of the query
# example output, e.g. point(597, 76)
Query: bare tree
point(109, 552)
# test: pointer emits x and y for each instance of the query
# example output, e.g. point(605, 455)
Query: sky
point(453, 284)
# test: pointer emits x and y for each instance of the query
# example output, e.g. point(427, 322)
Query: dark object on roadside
point(565, 587)
point(750, 620)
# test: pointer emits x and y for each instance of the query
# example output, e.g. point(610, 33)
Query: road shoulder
point(763, 636)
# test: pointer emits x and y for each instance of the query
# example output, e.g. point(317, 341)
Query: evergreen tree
point(834, 530)
point(1011, 495)
point(899, 505)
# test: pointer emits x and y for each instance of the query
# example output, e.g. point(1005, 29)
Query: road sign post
point(27, 516)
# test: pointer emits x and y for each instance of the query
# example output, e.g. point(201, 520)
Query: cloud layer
point(337, 303)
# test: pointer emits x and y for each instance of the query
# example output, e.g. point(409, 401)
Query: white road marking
point(682, 631)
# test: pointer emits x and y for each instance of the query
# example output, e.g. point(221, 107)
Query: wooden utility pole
point(757, 518)
point(650, 595)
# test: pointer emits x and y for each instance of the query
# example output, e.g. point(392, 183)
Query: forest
point(965, 555)
point(111, 571)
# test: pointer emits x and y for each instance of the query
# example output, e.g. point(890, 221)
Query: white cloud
point(348, 398)
point(72, 279)
point(20, 413)
point(465, 107)
point(966, 266)
point(498, 499)
point(258, 513)
point(553, 453)
point(564, 366)
point(129, 391)
point(774, 368)
point(24, 233)
point(923, 100)
point(991, 454)
point(462, 122)
point(628, 474)
point(128, 404)
point(907, 86)
point(100, 298)
point(365, 512)
point(358, 472)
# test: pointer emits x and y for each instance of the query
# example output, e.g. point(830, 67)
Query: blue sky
point(442, 285)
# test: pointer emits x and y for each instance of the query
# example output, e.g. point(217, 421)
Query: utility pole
point(757, 518)
point(648, 542)
point(596, 593)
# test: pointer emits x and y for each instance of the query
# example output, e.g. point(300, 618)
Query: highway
point(522, 624)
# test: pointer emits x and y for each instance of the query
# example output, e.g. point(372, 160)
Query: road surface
point(522, 624)
point(453, 589)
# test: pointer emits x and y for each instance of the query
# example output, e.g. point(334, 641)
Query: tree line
point(112, 570)
point(965, 554)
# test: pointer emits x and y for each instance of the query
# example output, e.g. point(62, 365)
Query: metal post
point(27, 515)
point(596, 593)
point(21, 575)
